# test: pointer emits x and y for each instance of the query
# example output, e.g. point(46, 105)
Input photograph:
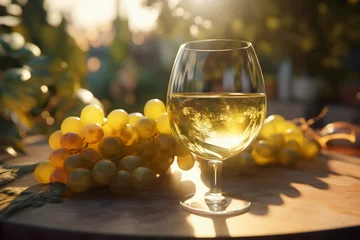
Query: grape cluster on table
point(279, 142)
point(125, 152)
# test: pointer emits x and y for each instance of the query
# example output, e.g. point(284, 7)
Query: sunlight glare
point(11, 151)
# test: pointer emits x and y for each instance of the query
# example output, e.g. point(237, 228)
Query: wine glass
point(216, 105)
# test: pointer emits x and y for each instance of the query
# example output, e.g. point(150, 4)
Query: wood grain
point(319, 195)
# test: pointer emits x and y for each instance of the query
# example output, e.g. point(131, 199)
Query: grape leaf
point(13, 200)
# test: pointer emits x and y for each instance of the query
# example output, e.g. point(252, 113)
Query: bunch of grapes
point(279, 142)
point(123, 151)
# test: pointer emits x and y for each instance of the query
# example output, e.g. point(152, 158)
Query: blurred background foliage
point(58, 55)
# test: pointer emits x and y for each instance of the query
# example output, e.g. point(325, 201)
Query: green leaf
point(34, 197)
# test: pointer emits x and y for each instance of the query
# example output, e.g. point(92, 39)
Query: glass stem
point(215, 196)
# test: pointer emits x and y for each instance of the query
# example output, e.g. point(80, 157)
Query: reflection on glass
point(216, 104)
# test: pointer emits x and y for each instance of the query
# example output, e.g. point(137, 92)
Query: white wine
point(215, 126)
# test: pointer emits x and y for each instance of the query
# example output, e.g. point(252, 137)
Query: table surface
point(318, 196)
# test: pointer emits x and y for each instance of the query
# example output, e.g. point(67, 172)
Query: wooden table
point(320, 199)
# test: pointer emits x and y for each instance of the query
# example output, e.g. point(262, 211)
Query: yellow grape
point(146, 127)
point(264, 149)
point(288, 157)
point(92, 114)
point(242, 163)
point(91, 157)
point(294, 145)
point(121, 183)
point(163, 124)
point(277, 121)
point(296, 135)
point(43, 172)
point(71, 140)
point(143, 178)
point(286, 126)
point(180, 149)
point(276, 140)
point(266, 130)
point(130, 163)
point(79, 180)
point(104, 171)
point(129, 135)
point(58, 156)
point(94, 146)
point(186, 162)
point(71, 124)
point(166, 142)
point(118, 119)
point(110, 147)
point(260, 161)
point(134, 117)
point(161, 162)
point(147, 149)
point(108, 131)
point(58, 175)
point(154, 108)
point(74, 162)
point(310, 149)
point(92, 133)
point(54, 139)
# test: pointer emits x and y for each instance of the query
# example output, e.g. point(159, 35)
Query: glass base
point(229, 206)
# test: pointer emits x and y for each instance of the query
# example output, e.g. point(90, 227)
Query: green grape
point(74, 162)
point(147, 149)
point(58, 175)
point(130, 163)
point(54, 140)
point(108, 131)
point(161, 162)
point(296, 135)
point(71, 124)
point(154, 108)
point(242, 163)
point(92, 114)
point(180, 149)
point(163, 124)
point(146, 127)
point(43, 172)
point(288, 157)
point(266, 130)
point(134, 117)
point(186, 162)
point(310, 149)
point(143, 178)
point(110, 147)
point(276, 140)
point(166, 142)
point(71, 140)
point(91, 157)
point(129, 135)
point(118, 119)
point(104, 171)
point(92, 133)
point(58, 156)
point(79, 180)
point(294, 145)
point(121, 184)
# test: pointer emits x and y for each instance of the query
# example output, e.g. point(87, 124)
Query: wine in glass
point(216, 105)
